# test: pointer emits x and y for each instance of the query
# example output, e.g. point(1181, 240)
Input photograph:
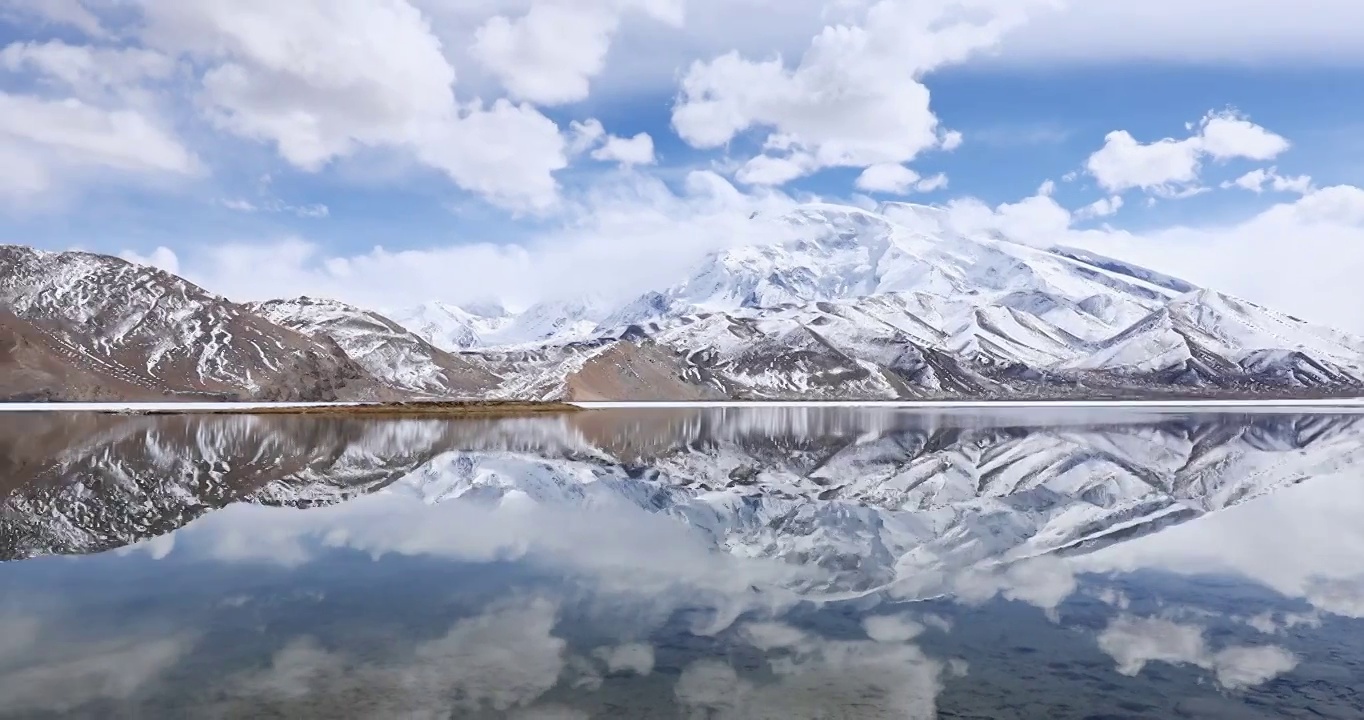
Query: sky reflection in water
point(784, 563)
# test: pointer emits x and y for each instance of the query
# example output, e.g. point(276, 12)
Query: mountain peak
point(842, 302)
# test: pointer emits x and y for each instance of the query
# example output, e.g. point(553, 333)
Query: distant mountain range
point(853, 304)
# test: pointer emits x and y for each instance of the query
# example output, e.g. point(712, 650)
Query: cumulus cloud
point(85, 70)
point(162, 258)
point(1133, 642)
point(1171, 168)
point(1326, 226)
point(630, 235)
point(637, 150)
point(550, 54)
point(1322, 33)
point(898, 180)
point(45, 143)
point(590, 135)
point(1262, 179)
point(1103, 207)
point(853, 99)
point(325, 80)
point(63, 13)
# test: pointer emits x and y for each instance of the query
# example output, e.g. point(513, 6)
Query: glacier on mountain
point(897, 303)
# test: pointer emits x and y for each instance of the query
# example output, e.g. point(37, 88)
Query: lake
point(684, 563)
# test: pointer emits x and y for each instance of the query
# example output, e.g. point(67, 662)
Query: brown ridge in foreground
point(480, 408)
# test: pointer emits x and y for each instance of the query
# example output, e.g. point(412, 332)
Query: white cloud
point(1171, 168)
point(162, 258)
point(323, 79)
point(1133, 642)
point(627, 236)
point(583, 136)
point(45, 142)
point(932, 182)
point(1324, 229)
point(854, 98)
point(637, 150)
point(1299, 257)
point(1125, 163)
point(69, 13)
point(550, 54)
point(898, 180)
point(951, 140)
point(887, 178)
point(88, 114)
point(1103, 207)
point(267, 202)
point(1226, 32)
point(1037, 220)
point(1227, 135)
point(87, 71)
point(771, 171)
point(506, 153)
point(1262, 179)
point(274, 205)
point(318, 79)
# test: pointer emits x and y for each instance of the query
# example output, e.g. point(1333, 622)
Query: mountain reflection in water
point(736, 563)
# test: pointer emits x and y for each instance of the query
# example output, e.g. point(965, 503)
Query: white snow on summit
point(856, 287)
point(481, 326)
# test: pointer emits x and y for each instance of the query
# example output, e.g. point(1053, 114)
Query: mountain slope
point(846, 304)
point(167, 336)
point(386, 350)
point(452, 328)
point(858, 297)
point(35, 368)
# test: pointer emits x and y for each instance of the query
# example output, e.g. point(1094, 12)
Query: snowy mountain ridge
point(849, 304)
point(157, 334)
point(896, 303)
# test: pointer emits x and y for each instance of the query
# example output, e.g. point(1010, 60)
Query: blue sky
point(358, 148)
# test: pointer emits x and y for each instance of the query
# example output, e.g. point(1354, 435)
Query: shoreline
point(473, 408)
point(516, 407)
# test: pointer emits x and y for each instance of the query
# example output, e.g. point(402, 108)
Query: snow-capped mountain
point(849, 304)
point(453, 328)
point(137, 327)
point(386, 350)
point(864, 500)
point(489, 326)
point(899, 304)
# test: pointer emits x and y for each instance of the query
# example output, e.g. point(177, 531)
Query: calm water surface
point(780, 563)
